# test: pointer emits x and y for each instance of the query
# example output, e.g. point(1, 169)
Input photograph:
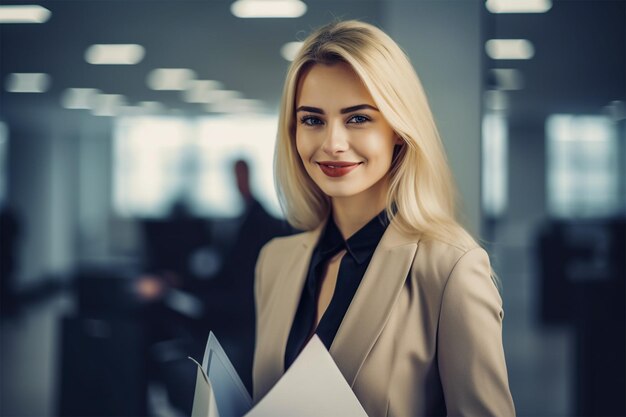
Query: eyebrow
point(342, 111)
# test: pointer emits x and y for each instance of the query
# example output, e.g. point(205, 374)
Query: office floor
point(538, 359)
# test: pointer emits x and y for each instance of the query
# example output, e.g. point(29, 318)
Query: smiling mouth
point(337, 168)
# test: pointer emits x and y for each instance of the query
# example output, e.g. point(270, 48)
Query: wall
point(444, 42)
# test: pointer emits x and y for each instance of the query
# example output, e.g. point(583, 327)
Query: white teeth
point(337, 166)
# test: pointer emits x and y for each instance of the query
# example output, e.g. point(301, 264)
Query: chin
point(339, 191)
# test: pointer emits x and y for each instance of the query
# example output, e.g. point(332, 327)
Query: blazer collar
point(370, 307)
point(372, 304)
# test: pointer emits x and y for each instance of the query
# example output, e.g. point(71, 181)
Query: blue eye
point(310, 121)
point(358, 119)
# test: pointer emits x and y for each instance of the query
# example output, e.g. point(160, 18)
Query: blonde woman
point(396, 289)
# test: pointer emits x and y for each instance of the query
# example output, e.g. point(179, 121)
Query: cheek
point(303, 147)
point(378, 147)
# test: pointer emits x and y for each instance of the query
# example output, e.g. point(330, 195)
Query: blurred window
point(582, 166)
point(223, 140)
point(495, 164)
point(161, 160)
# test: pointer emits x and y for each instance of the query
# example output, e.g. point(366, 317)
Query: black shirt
point(359, 251)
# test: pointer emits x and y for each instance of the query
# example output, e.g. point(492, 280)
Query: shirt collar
point(360, 245)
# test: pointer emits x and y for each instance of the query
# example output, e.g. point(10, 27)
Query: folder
point(312, 386)
point(219, 390)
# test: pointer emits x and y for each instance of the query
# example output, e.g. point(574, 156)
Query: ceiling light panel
point(174, 79)
point(27, 82)
point(152, 106)
point(79, 98)
point(509, 49)
point(518, 6)
point(117, 54)
point(108, 104)
point(24, 14)
point(200, 91)
point(508, 78)
point(268, 8)
point(290, 50)
point(225, 95)
point(495, 100)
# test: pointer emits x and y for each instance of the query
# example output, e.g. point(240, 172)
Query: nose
point(336, 139)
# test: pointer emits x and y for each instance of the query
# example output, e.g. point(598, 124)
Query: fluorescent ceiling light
point(518, 6)
point(108, 104)
point(170, 78)
point(152, 106)
point(509, 49)
point(27, 82)
point(79, 98)
point(508, 78)
point(268, 8)
point(496, 100)
point(290, 50)
point(24, 14)
point(119, 54)
point(200, 91)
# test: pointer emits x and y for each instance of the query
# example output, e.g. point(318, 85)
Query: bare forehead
point(335, 85)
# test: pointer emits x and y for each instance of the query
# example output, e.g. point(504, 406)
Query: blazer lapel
point(373, 301)
point(291, 280)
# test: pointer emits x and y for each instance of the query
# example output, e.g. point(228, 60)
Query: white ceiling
point(579, 65)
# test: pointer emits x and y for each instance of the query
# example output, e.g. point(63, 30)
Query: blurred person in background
point(401, 295)
point(222, 302)
point(231, 314)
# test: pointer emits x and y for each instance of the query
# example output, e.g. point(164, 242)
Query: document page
point(204, 399)
point(312, 387)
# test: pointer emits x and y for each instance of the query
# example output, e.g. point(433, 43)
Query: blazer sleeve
point(257, 275)
point(470, 353)
point(258, 301)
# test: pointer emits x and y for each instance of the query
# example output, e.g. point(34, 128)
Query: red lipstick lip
point(337, 168)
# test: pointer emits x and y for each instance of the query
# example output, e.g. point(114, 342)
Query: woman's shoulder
point(437, 258)
point(280, 248)
point(273, 257)
point(445, 249)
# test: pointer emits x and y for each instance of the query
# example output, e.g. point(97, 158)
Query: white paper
point(312, 387)
point(204, 404)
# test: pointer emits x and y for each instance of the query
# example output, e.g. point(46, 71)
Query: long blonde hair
point(421, 197)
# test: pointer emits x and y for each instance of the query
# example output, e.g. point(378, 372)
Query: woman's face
point(345, 143)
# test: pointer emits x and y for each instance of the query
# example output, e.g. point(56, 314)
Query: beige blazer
point(422, 336)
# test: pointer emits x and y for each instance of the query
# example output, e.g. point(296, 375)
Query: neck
point(352, 213)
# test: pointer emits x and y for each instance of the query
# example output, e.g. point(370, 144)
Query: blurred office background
point(136, 142)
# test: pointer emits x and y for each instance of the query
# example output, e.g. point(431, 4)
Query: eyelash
point(306, 120)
